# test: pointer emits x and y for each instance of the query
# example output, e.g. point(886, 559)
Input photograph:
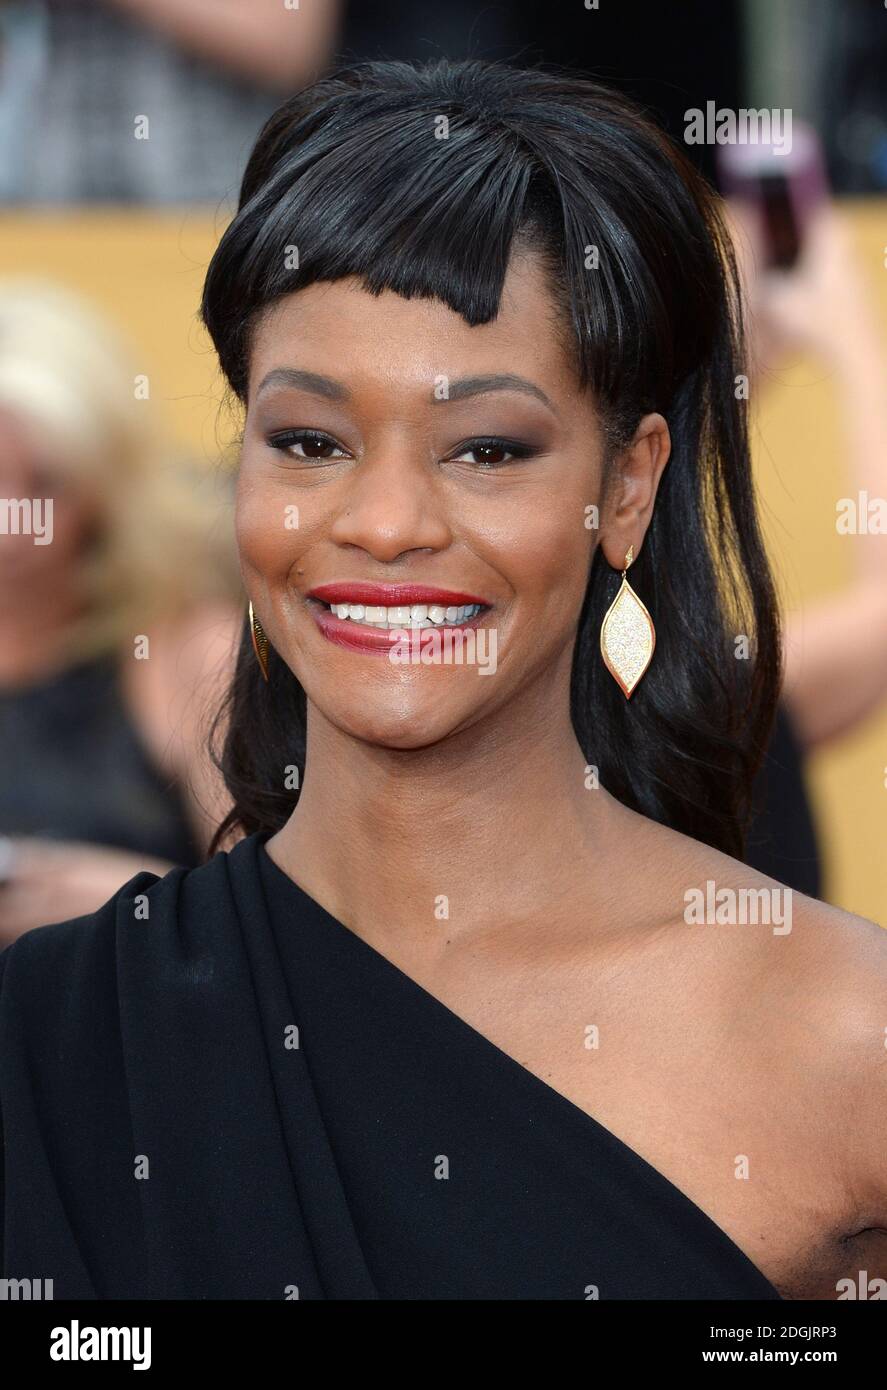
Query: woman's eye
point(490, 453)
point(307, 444)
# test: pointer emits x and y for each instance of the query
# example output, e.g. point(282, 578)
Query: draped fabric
point(211, 1088)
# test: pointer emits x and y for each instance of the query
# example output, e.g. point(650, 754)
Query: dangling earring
point(260, 641)
point(627, 635)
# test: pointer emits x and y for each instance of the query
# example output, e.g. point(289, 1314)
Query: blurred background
point(124, 129)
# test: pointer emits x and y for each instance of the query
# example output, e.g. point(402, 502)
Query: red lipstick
point(363, 638)
point(392, 595)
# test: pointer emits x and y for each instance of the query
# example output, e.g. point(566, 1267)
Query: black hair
point(423, 179)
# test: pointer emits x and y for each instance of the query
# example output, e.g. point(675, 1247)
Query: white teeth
point(415, 615)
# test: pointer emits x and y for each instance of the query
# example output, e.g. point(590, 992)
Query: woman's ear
point(637, 469)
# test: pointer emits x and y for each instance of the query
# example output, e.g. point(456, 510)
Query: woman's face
point(389, 443)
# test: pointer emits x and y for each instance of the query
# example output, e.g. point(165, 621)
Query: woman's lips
point(347, 632)
point(392, 595)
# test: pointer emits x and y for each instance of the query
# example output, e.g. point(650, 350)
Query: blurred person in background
point(835, 650)
point(102, 764)
point(146, 101)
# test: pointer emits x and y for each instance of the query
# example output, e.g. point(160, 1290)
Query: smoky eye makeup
point(307, 444)
point(493, 451)
point(485, 452)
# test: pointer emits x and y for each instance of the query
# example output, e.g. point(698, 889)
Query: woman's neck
point(499, 821)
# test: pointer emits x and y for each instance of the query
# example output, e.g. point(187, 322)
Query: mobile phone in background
point(785, 189)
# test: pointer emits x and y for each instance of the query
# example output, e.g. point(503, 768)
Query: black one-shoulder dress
point(211, 1088)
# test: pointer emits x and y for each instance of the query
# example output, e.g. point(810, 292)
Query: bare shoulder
point(825, 953)
point(812, 977)
point(828, 946)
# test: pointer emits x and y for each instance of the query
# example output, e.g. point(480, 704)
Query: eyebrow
point(312, 382)
point(481, 385)
point(325, 386)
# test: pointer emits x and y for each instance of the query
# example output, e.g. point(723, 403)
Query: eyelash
point(284, 442)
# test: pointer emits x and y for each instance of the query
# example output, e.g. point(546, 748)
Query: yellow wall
point(801, 471)
point(146, 269)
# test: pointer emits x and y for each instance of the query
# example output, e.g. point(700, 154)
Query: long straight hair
point(423, 179)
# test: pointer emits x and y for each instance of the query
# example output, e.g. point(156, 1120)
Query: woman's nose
point(390, 503)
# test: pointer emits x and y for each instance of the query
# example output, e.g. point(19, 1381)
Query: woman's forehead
point(339, 326)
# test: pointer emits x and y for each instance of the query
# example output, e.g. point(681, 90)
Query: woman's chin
point(397, 728)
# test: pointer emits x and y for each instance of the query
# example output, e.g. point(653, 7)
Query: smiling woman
point(441, 1022)
point(521, 277)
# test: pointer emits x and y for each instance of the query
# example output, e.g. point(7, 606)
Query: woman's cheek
point(544, 549)
point(268, 528)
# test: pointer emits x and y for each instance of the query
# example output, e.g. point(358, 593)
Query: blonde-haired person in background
point(118, 611)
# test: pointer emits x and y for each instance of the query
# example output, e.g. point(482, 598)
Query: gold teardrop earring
point(260, 641)
point(627, 635)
